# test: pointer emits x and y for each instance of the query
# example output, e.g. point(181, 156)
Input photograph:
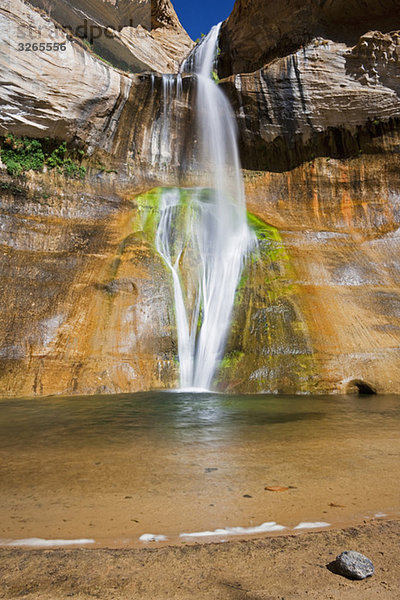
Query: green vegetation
point(214, 75)
point(21, 154)
point(10, 187)
point(199, 39)
point(267, 320)
point(59, 160)
point(231, 360)
point(26, 154)
point(148, 209)
point(271, 243)
point(148, 213)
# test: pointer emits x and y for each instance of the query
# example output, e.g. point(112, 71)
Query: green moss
point(215, 77)
point(262, 229)
point(268, 347)
point(148, 206)
point(231, 360)
point(148, 213)
point(25, 154)
point(271, 248)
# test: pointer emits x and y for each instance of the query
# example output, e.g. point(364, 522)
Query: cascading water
point(161, 147)
point(203, 234)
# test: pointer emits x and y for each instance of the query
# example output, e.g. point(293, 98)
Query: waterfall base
point(203, 240)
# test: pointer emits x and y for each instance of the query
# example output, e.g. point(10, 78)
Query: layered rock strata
point(134, 35)
point(86, 303)
point(319, 133)
point(259, 31)
point(326, 99)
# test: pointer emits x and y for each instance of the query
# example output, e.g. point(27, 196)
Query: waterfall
point(203, 235)
point(162, 144)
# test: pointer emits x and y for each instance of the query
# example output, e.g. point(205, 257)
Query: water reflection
point(183, 416)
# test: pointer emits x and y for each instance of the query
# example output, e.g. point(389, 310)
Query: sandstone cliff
point(319, 131)
point(135, 35)
point(325, 99)
point(260, 30)
point(86, 301)
point(60, 94)
point(84, 306)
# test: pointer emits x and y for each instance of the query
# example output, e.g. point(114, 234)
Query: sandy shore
point(281, 568)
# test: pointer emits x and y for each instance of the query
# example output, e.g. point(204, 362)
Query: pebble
point(354, 565)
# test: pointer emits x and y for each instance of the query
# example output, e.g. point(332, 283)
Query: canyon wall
point(87, 305)
point(319, 132)
point(86, 302)
point(259, 31)
point(134, 35)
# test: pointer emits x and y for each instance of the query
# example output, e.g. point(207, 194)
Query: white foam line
point(193, 391)
point(150, 537)
point(269, 526)
point(45, 543)
point(380, 514)
point(317, 524)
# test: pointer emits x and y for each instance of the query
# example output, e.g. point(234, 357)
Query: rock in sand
point(354, 565)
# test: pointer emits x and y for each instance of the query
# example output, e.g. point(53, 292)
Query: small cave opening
point(359, 387)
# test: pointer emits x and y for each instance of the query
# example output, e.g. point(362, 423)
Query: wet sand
point(283, 568)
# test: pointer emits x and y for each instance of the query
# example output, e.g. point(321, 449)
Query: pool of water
point(112, 469)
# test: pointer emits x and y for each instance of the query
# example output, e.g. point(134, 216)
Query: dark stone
point(353, 565)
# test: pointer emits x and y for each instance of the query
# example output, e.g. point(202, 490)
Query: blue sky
point(198, 16)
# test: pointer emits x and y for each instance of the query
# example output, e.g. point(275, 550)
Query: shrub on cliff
point(24, 154)
point(21, 155)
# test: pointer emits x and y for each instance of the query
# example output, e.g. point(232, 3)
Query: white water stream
point(203, 234)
